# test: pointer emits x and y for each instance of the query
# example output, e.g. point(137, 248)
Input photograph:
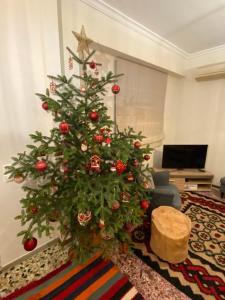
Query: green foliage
point(70, 186)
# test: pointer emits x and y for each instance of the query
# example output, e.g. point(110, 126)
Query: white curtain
point(140, 103)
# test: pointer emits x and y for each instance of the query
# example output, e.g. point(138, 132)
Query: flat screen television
point(184, 156)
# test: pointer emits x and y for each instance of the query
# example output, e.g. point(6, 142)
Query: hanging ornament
point(34, 210)
point(70, 63)
point(40, 165)
point(108, 141)
point(82, 89)
point(93, 115)
point(64, 127)
point(65, 169)
point(30, 244)
point(120, 167)
point(84, 218)
point(115, 89)
point(106, 235)
point(130, 177)
point(129, 227)
point(137, 144)
point(92, 64)
point(115, 205)
point(84, 147)
point(52, 87)
point(135, 163)
point(54, 215)
point(18, 178)
point(113, 168)
point(147, 185)
point(95, 163)
point(54, 189)
point(144, 204)
point(101, 223)
point(147, 157)
point(125, 196)
point(96, 72)
point(45, 105)
point(98, 138)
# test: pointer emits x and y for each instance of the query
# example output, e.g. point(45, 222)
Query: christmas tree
point(87, 174)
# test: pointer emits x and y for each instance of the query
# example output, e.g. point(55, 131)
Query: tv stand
point(190, 179)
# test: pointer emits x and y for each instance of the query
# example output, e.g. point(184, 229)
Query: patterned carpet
point(201, 275)
point(96, 279)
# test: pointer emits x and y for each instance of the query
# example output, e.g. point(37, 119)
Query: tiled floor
point(148, 282)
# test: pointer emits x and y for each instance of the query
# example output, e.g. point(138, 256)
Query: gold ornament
point(18, 178)
point(83, 43)
point(84, 147)
point(101, 223)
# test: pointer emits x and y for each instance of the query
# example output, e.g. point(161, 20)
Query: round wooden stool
point(170, 231)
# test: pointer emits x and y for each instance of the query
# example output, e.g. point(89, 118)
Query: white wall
point(29, 51)
point(195, 113)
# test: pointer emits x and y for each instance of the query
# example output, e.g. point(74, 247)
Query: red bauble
point(98, 138)
point(108, 141)
point(30, 244)
point(147, 157)
point(130, 177)
point(34, 209)
point(120, 167)
point(65, 169)
point(115, 205)
point(41, 165)
point(92, 65)
point(137, 144)
point(45, 105)
point(93, 115)
point(64, 127)
point(144, 204)
point(18, 178)
point(115, 89)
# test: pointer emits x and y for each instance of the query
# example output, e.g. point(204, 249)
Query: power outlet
point(5, 176)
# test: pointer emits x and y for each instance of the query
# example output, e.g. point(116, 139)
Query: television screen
point(184, 156)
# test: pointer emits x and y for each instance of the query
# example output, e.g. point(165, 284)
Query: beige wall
point(29, 51)
point(195, 113)
point(110, 33)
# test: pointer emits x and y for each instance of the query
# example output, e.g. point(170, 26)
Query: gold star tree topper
point(83, 43)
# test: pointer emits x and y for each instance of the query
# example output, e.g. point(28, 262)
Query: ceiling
point(192, 25)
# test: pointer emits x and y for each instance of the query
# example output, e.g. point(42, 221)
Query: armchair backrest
point(160, 178)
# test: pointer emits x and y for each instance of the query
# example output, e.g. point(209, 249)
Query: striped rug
point(96, 279)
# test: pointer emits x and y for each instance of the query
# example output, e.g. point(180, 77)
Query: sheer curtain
point(140, 103)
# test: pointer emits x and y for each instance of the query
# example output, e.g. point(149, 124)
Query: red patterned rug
point(201, 275)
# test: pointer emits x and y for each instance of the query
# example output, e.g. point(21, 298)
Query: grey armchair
point(164, 193)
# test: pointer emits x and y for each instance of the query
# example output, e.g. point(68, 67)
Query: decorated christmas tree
point(87, 175)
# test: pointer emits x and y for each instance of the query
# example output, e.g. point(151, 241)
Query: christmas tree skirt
point(96, 279)
point(201, 275)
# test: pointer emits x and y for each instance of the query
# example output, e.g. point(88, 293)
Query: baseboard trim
point(30, 254)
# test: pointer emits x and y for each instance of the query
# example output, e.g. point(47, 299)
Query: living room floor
point(148, 282)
